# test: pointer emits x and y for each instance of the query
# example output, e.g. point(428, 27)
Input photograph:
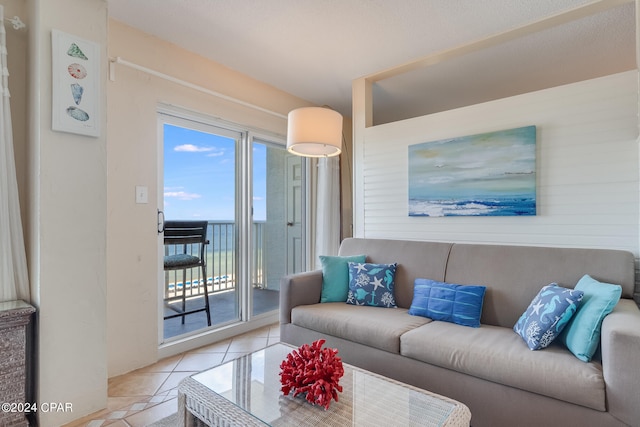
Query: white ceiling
point(314, 49)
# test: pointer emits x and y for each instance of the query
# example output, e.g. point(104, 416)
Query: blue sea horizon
point(512, 206)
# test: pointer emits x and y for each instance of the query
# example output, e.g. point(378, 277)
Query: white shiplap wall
point(587, 169)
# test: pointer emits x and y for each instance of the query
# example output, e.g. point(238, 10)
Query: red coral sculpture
point(312, 370)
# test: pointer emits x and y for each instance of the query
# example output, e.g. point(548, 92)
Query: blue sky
point(199, 176)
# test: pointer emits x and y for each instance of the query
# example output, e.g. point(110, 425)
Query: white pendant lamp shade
point(314, 132)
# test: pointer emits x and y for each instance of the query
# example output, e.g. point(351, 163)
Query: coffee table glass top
point(252, 384)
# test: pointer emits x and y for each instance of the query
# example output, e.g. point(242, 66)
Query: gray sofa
point(490, 368)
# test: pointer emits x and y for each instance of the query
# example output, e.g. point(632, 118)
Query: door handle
point(289, 224)
point(160, 221)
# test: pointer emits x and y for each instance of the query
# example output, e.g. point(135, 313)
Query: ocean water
point(221, 257)
point(221, 237)
point(517, 206)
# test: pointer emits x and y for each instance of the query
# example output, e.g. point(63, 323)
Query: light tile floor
point(149, 394)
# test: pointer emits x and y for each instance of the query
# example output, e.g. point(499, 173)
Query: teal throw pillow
point(448, 302)
point(547, 315)
point(582, 334)
point(372, 284)
point(335, 276)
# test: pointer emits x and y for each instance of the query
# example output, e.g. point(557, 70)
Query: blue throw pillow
point(372, 284)
point(547, 315)
point(460, 304)
point(582, 334)
point(335, 276)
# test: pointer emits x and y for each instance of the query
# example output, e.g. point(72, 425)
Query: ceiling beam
point(499, 38)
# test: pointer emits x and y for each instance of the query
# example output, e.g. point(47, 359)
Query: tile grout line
point(270, 335)
point(173, 371)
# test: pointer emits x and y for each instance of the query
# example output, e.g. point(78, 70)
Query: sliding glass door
point(277, 221)
point(250, 191)
point(200, 174)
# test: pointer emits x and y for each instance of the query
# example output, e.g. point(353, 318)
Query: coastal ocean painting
point(489, 174)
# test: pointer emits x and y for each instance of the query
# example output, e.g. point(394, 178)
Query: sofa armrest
point(299, 289)
point(620, 351)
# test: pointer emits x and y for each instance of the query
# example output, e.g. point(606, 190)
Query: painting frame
point(75, 72)
point(486, 174)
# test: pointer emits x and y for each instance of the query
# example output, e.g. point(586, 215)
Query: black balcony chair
point(189, 238)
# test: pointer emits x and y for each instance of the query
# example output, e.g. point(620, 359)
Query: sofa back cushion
point(415, 259)
point(514, 274)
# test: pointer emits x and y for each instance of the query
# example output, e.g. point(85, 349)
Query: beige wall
point(133, 98)
point(67, 223)
point(91, 249)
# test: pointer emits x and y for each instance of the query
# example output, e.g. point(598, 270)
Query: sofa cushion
point(582, 334)
point(547, 315)
point(372, 284)
point(461, 304)
point(416, 259)
point(373, 326)
point(498, 354)
point(514, 274)
point(335, 276)
point(180, 260)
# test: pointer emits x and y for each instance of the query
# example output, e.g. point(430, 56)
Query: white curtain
point(328, 208)
point(14, 284)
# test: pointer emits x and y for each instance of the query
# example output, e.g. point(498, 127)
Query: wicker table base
point(14, 317)
point(246, 392)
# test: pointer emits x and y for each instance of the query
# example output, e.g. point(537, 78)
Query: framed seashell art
point(76, 84)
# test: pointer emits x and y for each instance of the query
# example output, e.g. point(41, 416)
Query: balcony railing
point(220, 254)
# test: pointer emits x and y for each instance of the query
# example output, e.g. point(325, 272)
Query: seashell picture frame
point(76, 84)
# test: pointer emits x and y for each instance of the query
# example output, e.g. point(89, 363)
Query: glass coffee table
point(246, 392)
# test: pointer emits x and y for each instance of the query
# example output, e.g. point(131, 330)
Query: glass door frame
point(243, 216)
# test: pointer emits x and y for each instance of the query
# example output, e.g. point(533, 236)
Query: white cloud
point(190, 148)
point(181, 195)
